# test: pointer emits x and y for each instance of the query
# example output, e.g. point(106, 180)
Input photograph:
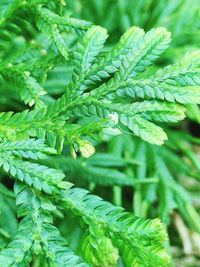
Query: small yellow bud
point(86, 149)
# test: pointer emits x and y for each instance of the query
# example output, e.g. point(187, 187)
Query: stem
point(117, 197)
point(6, 192)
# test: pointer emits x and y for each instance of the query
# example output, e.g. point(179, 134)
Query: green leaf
point(139, 241)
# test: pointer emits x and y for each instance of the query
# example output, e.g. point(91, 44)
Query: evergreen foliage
point(109, 91)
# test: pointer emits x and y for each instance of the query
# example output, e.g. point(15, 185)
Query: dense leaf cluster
point(106, 91)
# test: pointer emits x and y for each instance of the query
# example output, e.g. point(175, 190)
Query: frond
point(139, 126)
point(86, 53)
point(139, 241)
point(53, 25)
point(151, 89)
point(33, 174)
point(92, 172)
point(112, 60)
point(36, 235)
point(147, 50)
point(98, 252)
point(31, 90)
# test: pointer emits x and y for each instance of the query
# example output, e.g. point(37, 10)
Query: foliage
point(69, 92)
